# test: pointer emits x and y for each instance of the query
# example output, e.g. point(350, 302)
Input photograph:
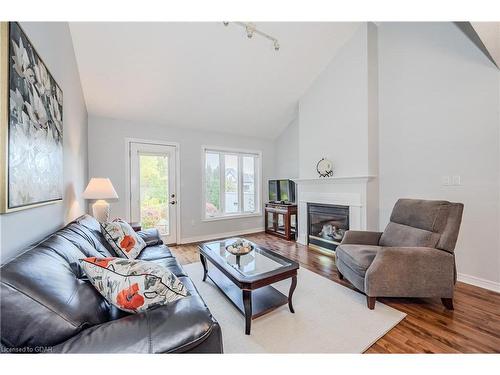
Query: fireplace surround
point(326, 225)
point(359, 193)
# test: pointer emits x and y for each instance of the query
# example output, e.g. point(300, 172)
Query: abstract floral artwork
point(35, 127)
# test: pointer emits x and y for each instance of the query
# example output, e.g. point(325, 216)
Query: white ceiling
point(203, 75)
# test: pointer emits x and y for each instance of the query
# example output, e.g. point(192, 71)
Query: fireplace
point(326, 225)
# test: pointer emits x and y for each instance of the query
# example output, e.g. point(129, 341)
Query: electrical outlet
point(445, 181)
point(456, 181)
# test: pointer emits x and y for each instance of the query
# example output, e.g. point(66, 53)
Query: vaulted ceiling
point(203, 75)
point(486, 37)
point(489, 33)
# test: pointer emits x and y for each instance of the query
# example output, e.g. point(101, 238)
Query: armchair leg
point(341, 277)
point(448, 303)
point(370, 301)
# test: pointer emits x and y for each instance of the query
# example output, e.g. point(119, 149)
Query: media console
point(281, 220)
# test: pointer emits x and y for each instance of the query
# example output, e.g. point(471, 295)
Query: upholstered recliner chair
point(413, 257)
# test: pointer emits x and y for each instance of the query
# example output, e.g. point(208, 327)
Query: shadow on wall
point(73, 208)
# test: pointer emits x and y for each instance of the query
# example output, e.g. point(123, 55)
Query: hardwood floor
point(473, 327)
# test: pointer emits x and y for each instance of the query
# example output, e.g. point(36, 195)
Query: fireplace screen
point(327, 225)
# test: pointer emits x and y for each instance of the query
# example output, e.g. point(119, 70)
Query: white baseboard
point(209, 237)
point(477, 281)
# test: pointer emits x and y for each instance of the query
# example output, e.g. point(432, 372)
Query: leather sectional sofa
point(47, 305)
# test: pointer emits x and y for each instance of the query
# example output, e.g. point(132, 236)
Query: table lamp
point(100, 189)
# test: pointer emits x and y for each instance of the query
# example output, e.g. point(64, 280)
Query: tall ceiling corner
point(486, 36)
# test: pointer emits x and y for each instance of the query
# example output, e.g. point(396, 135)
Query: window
point(231, 183)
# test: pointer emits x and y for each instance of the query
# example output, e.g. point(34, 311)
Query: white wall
point(334, 112)
point(107, 159)
point(439, 116)
point(338, 117)
point(286, 152)
point(52, 41)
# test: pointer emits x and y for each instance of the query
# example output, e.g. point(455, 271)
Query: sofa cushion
point(45, 298)
point(405, 236)
point(151, 236)
point(171, 264)
point(176, 327)
point(155, 252)
point(123, 239)
point(357, 257)
point(354, 277)
point(133, 285)
point(84, 240)
point(94, 227)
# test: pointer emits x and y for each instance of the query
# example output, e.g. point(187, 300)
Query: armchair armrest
point(359, 237)
point(151, 236)
point(411, 272)
point(177, 327)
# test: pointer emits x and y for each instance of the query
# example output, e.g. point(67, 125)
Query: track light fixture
point(251, 30)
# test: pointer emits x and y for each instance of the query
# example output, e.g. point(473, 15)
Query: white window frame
point(257, 154)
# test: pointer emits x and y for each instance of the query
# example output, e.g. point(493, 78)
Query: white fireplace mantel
point(335, 179)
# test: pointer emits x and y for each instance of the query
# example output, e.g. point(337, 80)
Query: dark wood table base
point(250, 303)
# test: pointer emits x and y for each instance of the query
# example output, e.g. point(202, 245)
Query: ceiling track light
point(251, 30)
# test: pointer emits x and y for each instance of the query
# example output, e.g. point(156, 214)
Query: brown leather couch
point(413, 257)
point(48, 305)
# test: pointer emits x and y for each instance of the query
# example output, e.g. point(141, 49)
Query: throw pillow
point(133, 285)
point(124, 240)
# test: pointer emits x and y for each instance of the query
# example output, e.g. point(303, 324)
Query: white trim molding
point(233, 216)
point(336, 179)
point(477, 281)
point(128, 142)
point(210, 237)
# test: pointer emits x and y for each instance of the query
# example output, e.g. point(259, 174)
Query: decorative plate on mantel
point(324, 168)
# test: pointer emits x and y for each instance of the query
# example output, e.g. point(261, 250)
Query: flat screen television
point(282, 191)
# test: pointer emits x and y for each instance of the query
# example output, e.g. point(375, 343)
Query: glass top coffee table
point(246, 279)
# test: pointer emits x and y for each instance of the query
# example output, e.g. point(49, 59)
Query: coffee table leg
point(290, 294)
point(247, 303)
point(204, 263)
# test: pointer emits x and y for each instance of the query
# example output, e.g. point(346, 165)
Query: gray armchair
point(413, 257)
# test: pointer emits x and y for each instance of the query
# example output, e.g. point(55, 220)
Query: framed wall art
point(31, 125)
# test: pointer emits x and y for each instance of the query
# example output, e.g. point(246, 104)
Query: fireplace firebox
point(326, 225)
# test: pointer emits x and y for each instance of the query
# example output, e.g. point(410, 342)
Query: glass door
point(152, 187)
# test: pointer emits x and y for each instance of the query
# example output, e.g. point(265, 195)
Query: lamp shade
point(100, 188)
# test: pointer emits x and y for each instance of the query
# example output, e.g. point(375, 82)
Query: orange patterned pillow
point(123, 239)
point(133, 285)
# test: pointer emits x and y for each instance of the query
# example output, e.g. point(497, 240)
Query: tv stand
point(281, 220)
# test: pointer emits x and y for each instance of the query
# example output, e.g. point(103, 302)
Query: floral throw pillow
point(123, 239)
point(133, 285)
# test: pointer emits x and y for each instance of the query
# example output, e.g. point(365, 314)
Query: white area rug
point(329, 318)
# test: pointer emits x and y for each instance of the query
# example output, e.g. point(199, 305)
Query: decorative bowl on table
point(239, 247)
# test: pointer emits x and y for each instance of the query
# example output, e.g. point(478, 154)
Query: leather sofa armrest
point(411, 272)
point(358, 237)
point(151, 236)
point(177, 327)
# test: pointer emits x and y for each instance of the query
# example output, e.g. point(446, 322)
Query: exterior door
point(153, 196)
